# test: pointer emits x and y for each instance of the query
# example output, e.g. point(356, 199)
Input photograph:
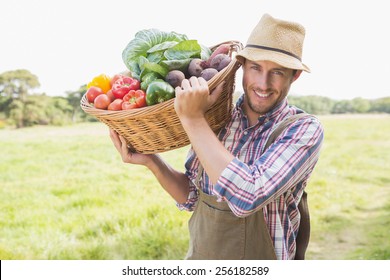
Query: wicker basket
point(157, 128)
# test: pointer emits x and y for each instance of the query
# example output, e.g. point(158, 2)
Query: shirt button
point(245, 132)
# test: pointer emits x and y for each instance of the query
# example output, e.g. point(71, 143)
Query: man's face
point(265, 84)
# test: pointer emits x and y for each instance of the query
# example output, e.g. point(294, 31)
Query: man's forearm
point(174, 182)
point(212, 154)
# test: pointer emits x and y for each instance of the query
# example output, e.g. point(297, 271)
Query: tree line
point(19, 107)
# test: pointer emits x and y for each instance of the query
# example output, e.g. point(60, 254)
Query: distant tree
point(15, 113)
point(23, 108)
point(380, 105)
point(15, 88)
point(58, 111)
point(343, 107)
point(5, 102)
point(17, 83)
point(360, 105)
point(312, 104)
point(73, 98)
point(39, 109)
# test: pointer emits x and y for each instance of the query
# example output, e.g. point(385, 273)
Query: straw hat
point(276, 40)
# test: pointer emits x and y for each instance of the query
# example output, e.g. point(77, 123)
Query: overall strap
point(282, 126)
point(302, 240)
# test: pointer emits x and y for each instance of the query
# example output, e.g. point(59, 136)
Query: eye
point(278, 73)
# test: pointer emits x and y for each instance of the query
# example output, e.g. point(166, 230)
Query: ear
point(296, 75)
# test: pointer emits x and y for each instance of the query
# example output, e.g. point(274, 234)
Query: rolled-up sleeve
point(192, 166)
point(189, 205)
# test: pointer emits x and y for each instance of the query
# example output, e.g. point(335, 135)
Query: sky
point(66, 43)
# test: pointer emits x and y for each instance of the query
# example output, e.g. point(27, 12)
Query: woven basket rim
point(213, 82)
point(87, 107)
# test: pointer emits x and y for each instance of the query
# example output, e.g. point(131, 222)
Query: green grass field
point(65, 194)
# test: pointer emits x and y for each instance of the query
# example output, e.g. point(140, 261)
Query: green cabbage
point(157, 51)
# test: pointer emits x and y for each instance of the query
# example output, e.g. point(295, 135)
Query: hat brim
point(282, 59)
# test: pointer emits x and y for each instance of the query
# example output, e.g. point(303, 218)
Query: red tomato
point(93, 92)
point(115, 77)
point(115, 105)
point(102, 101)
point(110, 95)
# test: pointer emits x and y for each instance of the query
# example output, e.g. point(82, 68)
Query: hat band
point(273, 49)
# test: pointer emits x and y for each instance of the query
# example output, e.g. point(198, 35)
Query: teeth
point(261, 94)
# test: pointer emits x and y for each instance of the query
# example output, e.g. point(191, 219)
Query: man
point(245, 198)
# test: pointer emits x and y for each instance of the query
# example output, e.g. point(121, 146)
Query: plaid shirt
point(272, 180)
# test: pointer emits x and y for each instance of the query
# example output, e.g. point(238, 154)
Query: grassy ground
point(66, 195)
point(350, 190)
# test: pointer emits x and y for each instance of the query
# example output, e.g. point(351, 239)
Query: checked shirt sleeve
point(288, 161)
point(189, 205)
point(191, 165)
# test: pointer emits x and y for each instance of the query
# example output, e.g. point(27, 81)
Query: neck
point(253, 117)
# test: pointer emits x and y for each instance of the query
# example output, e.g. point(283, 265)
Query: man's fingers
point(124, 147)
point(202, 82)
point(115, 139)
point(119, 143)
point(195, 81)
point(185, 84)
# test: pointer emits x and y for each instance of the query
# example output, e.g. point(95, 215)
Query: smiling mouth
point(262, 95)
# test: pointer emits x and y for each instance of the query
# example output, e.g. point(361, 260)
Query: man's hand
point(193, 98)
point(127, 156)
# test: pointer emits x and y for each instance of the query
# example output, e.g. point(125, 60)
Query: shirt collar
point(278, 109)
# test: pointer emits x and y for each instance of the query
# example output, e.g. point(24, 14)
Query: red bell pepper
point(123, 85)
point(134, 99)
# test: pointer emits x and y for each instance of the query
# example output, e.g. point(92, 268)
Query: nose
point(263, 81)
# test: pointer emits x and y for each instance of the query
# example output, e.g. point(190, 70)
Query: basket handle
point(235, 46)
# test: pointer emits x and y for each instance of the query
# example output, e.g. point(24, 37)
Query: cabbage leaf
point(152, 50)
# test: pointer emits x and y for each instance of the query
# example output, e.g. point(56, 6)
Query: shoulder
point(299, 125)
point(298, 116)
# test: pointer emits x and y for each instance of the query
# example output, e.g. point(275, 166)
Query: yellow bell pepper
point(102, 81)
